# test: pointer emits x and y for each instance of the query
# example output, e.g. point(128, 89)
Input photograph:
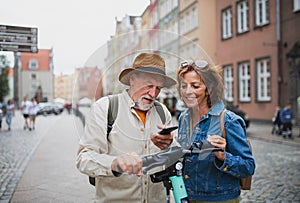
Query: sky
point(75, 29)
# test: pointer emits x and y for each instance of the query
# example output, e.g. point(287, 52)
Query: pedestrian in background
point(215, 177)
point(32, 113)
point(286, 116)
point(1, 114)
point(10, 112)
point(25, 110)
point(277, 125)
point(68, 107)
point(133, 134)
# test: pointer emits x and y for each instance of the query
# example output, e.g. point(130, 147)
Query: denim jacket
point(206, 178)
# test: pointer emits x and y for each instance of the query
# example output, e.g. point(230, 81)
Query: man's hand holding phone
point(164, 137)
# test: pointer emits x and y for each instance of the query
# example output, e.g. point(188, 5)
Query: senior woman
point(214, 177)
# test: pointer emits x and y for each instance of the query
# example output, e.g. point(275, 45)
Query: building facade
point(289, 55)
point(252, 40)
point(197, 28)
point(88, 84)
point(256, 42)
point(35, 73)
point(64, 87)
point(121, 51)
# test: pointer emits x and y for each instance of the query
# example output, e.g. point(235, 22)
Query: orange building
point(89, 83)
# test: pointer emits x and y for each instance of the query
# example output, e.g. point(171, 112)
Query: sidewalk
point(51, 174)
point(262, 131)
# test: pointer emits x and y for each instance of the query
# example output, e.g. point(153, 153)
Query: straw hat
point(148, 63)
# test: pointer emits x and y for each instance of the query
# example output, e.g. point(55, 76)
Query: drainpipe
point(279, 54)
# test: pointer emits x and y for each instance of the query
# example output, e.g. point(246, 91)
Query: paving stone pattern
point(277, 174)
point(16, 148)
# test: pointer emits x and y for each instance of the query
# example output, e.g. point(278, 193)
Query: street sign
point(18, 39)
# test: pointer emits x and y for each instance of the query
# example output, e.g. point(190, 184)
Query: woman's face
point(192, 90)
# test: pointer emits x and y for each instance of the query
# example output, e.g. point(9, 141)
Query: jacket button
point(186, 176)
point(225, 169)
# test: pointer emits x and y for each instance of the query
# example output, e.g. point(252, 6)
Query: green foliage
point(4, 70)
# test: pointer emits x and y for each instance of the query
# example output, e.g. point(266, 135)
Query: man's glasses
point(199, 63)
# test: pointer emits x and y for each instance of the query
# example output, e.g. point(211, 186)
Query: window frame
point(226, 27)
point(33, 64)
point(33, 77)
point(242, 17)
point(265, 13)
point(263, 94)
point(244, 82)
point(296, 5)
point(228, 82)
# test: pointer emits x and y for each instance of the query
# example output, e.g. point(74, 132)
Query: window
point(226, 24)
point(261, 12)
point(33, 64)
point(296, 5)
point(33, 76)
point(189, 20)
point(182, 30)
point(228, 82)
point(195, 17)
point(244, 81)
point(33, 88)
point(263, 80)
point(242, 16)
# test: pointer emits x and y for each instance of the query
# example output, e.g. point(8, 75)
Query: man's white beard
point(143, 107)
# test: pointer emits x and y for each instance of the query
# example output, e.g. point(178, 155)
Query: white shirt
point(32, 108)
point(25, 107)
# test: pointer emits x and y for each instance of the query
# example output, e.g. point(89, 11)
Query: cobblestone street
point(277, 174)
point(16, 149)
point(31, 167)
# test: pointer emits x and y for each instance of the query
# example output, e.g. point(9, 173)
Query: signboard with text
point(18, 39)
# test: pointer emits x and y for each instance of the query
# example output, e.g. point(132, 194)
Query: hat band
point(151, 69)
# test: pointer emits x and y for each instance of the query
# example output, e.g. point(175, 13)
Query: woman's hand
point(218, 142)
point(161, 141)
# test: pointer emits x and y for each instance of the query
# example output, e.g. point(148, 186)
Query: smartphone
point(167, 131)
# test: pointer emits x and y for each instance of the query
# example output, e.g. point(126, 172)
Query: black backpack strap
point(160, 111)
point(113, 106)
point(112, 111)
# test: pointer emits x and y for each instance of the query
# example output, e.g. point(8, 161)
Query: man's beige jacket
point(129, 134)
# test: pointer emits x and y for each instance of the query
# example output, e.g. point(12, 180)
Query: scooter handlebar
point(171, 155)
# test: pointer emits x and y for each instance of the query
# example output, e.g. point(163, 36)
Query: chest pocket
point(214, 127)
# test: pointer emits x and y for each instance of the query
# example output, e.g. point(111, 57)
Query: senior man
point(133, 135)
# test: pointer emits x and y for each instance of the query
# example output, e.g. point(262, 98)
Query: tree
point(4, 70)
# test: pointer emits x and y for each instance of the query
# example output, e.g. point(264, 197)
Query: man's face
point(144, 88)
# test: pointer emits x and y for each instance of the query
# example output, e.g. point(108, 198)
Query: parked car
point(241, 113)
point(49, 108)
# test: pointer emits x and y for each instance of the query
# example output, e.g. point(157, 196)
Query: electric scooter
point(172, 175)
